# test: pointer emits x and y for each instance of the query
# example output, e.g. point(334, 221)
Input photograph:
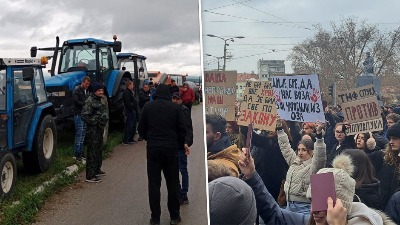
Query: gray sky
point(167, 32)
point(272, 27)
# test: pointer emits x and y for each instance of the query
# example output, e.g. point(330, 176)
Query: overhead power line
point(261, 21)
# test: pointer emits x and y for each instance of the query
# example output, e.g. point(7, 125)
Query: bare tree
point(340, 52)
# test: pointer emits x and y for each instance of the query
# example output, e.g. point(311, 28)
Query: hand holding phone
point(248, 139)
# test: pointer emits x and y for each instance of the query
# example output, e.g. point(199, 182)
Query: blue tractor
point(27, 122)
point(85, 57)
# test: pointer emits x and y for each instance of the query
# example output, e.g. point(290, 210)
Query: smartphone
point(322, 187)
point(248, 139)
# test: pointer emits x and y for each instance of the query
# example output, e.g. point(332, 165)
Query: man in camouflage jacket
point(95, 115)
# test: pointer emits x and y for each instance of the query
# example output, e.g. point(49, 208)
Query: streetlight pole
point(218, 58)
point(225, 44)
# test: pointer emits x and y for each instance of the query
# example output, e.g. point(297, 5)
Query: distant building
point(267, 68)
point(241, 82)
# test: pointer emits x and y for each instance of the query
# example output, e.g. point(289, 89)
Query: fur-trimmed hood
point(361, 214)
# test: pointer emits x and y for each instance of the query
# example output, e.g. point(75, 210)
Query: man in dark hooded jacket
point(162, 125)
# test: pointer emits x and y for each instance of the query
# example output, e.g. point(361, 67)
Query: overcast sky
point(167, 32)
point(272, 27)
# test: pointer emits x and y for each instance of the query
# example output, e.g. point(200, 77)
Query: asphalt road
point(121, 198)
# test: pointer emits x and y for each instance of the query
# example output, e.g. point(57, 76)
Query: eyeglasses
point(338, 131)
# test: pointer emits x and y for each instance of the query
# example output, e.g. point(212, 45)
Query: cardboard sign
point(365, 126)
point(322, 187)
point(361, 110)
point(356, 94)
point(258, 106)
point(298, 98)
point(220, 93)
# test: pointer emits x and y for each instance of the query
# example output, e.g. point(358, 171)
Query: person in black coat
point(270, 163)
point(130, 113)
point(367, 185)
point(387, 164)
point(344, 142)
point(162, 125)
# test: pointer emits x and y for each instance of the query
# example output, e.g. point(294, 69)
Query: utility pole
point(225, 44)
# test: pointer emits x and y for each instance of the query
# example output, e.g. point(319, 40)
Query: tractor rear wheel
point(43, 150)
point(8, 176)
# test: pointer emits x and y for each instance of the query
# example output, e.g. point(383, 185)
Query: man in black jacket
point(130, 113)
point(162, 125)
point(144, 97)
point(79, 96)
point(182, 154)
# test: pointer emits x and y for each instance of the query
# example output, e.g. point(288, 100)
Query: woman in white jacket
point(309, 158)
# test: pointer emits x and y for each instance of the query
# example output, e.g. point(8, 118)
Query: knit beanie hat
point(345, 185)
point(96, 86)
point(394, 130)
point(231, 201)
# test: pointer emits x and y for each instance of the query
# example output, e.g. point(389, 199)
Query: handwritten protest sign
point(365, 126)
point(360, 108)
point(298, 97)
point(356, 94)
point(258, 106)
point(220, 93)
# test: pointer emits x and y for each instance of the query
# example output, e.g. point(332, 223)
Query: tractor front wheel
point(8, 169)
point(43, 150)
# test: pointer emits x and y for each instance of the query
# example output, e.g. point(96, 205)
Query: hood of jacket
point(223, 143)
point(163, 92)
point(229, 157)
point(363, 215)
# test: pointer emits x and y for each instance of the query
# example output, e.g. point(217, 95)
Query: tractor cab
point(136, 65)
point(26, 119)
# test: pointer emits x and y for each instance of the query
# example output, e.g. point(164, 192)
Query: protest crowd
point(283, 174)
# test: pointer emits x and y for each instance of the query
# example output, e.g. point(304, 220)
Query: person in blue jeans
point(79, 96)
point(182, 153)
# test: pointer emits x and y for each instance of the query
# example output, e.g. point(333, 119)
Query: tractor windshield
point(3, 89)
point(128, 65)
point(83, 55)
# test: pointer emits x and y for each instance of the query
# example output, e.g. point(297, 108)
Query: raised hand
point(336, 215)
point(246, 163)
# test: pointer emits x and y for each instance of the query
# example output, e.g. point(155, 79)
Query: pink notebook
point(322, 187)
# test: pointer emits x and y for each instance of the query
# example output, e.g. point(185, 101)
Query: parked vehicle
point(85, 57)
point(27, 122)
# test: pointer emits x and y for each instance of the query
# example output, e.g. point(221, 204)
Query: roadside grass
point(29, 204)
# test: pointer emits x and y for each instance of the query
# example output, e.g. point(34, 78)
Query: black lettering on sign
point(248, 83)
point(293, 83)
point(305, 84)
point(279, 83)
point(286, 94)
point(252, 91)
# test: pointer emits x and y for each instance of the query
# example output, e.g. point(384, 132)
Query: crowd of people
point(161, 115)
point(269, 183)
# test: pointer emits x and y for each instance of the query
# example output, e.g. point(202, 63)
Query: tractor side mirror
point(33, 51)
point(27, 74)
point(117, 46)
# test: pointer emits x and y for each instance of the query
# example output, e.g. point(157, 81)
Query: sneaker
point(101, 173)
point(183, 200)
point(175, 221)
point(94, 180)
point(152, 222)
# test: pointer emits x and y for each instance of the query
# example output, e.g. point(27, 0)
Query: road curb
point(69, 172)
